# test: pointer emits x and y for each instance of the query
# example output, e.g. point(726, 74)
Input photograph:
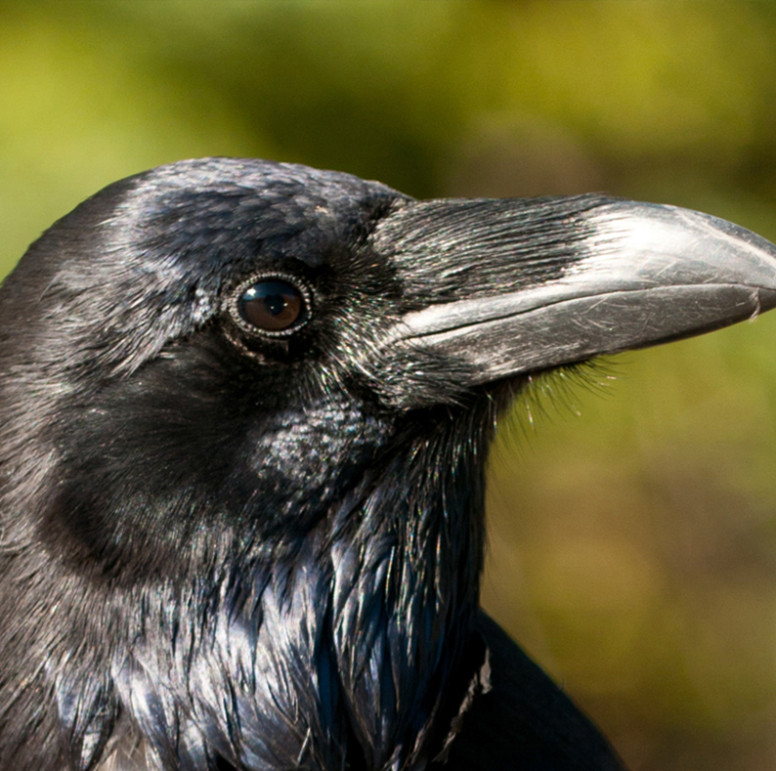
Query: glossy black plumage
point(225, 549)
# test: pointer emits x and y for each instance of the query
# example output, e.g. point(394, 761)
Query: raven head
point(244, 410)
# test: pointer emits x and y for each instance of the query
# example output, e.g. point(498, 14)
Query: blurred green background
point(633, 523)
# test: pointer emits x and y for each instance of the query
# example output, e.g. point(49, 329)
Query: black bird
point(244, 412)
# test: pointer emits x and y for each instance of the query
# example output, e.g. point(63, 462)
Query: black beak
point(504, 287)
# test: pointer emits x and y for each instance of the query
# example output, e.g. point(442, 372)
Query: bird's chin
point(502, 393)
point(553, 386)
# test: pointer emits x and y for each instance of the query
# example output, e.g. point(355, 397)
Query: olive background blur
point(632, 508)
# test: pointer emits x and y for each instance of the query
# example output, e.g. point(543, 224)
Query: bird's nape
point(245, 408)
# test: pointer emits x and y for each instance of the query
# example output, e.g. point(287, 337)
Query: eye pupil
point(273, 305)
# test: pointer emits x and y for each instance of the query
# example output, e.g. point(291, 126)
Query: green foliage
point(633, 542)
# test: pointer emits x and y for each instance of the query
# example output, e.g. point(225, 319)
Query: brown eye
point(273, 305)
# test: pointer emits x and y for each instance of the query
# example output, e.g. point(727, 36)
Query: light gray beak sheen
point(645, 274)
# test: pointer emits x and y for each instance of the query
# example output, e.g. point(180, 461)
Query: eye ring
point(270, 304)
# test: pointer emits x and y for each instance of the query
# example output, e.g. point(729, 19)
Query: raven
point(244, 412)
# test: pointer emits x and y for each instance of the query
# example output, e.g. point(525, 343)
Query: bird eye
point(273, 305)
